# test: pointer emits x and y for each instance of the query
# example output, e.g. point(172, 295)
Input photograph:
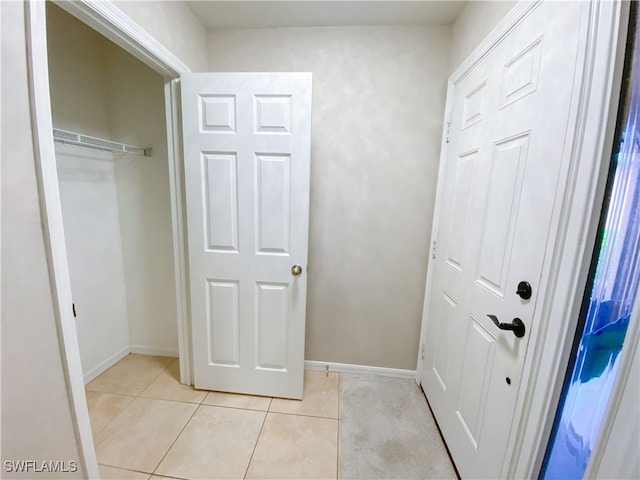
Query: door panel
point(220, 192)
point(442, 358)
point(510, 115)
point(247, 164)
point(272, 320)
point(505, 167)
point(273, 208)
point(476, 370)
point(461, 205)
point(223, 321)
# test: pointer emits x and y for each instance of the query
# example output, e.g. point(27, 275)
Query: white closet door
point(247, 161)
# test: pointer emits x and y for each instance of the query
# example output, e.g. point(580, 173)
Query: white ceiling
point(307, 13)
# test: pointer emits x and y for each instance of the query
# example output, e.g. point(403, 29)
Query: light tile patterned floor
point(147, 425)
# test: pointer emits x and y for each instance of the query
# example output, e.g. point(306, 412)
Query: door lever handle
point(516, 326)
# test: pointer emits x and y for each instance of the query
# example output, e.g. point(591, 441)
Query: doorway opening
point(116, 207)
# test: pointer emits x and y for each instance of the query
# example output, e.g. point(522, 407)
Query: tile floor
point(146, 425)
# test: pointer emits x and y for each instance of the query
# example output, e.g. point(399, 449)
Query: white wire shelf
point(73, 138)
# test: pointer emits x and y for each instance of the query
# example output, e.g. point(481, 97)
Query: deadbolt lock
point(524, 290)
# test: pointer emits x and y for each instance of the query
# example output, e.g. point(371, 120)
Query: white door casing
point(510, 122)
point(247, 167)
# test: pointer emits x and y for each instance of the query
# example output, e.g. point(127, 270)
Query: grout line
point(134, 393)
point(176, 439)
point(124, 469)
point(339, 396)
point(233, 408)
point(94, 434)
point(204, 397)
point(303, 415)
point(338, 473)
point(164, 399)
point(256, 444)
point(169, 476)
point(154, 378)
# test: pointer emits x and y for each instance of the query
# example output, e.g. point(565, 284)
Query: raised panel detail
point(273, 204)
point(223, 323)
point(478, 363)
point(474, 106)
point(501, 206)
point(272, 329)
point(220, 185)
point(272, 114)
point(446, 316)
point(459, 214)
point(520, 77)
point(217, 113)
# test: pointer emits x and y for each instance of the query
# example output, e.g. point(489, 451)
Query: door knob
point(296, 270)
point(516, 326)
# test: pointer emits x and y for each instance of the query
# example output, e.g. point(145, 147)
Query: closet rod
point(64, 136)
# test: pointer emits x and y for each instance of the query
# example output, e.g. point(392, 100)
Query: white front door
point(247, 162)
point(510, 122)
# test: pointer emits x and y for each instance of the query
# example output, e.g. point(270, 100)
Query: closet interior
point(111, 152)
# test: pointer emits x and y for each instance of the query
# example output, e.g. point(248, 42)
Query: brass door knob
point(296, 270)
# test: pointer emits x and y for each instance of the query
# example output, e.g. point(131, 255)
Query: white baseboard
point(308, 364)
point(147, 350)
point(106, 364)
point(361, 369)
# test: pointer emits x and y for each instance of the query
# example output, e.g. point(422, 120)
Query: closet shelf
point(64, 136)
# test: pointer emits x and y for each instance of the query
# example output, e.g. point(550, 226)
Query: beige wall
point(378, 104)
point(36, 414)
point(173, 25)
point(474, 23)
point(137, 116)
point(77, 74)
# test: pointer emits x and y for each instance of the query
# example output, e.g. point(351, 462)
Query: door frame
point(111, 22)
point(576, 218)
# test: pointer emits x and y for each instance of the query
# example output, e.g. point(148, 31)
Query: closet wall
point(137, 116)
point(116, 207)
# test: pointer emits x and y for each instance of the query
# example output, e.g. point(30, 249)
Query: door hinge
point(433, 250)
point(447, 138)
point(422, 352)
